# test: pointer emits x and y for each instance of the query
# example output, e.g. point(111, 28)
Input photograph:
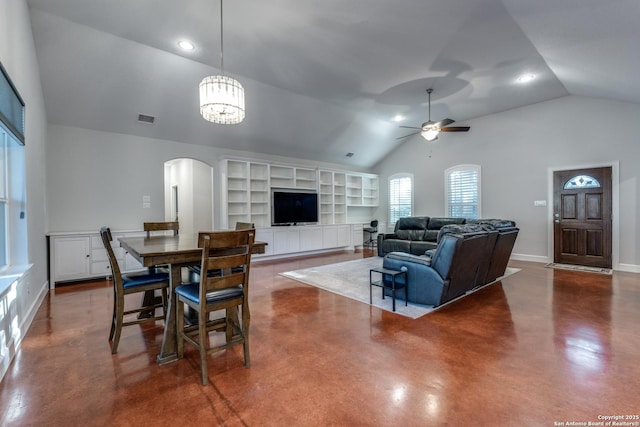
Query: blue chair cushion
point(191, 291)
point(133, 280)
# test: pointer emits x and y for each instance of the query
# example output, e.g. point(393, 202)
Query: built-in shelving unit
point(283, 176)
point(247, 193)
point(247, 187)
point(362, 190)
point(333, 208)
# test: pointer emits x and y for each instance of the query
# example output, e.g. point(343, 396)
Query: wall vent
point(349, 154)
point(143, 118)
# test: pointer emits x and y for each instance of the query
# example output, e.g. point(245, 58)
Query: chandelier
point(221, 97)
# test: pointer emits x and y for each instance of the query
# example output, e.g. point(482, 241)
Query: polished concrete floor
point(538, 348)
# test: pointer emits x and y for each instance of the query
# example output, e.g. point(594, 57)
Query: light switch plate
point(539, 203)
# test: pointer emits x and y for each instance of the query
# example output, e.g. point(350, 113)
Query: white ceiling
point(324, 78)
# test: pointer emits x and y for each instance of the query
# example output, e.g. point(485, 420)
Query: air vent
point(349, 154)
point(143, 118)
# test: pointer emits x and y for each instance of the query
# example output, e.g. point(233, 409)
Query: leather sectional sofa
point(467, 256)
point(414, 234)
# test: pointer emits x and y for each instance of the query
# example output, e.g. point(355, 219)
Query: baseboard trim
point(629, 268)
point(530, 258)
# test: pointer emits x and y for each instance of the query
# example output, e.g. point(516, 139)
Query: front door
point(582, 217)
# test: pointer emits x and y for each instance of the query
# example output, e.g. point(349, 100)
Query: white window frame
point(447, 179)
point(391, 204)
point(4, 199)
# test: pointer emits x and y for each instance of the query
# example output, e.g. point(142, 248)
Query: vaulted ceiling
point(325, 78)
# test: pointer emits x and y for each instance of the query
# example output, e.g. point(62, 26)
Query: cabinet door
point(329, 237)
point(344, 235)
point(286, 241)
point(357, 237)
point(71, 258)
point(131, 264)
point(310, 238)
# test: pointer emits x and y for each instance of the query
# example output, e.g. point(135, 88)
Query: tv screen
point(290, 208)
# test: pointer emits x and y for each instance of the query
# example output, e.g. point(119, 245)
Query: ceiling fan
point(429, 130)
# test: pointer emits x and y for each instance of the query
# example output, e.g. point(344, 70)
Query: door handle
point(557, 221)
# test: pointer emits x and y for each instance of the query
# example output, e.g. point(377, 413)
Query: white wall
point(98, 178)
point(516, 149)
point(17, 53)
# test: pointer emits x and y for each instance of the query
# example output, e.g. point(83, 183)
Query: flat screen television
point(294, 208)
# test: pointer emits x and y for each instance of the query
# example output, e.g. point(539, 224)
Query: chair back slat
point(223, 282)
point(228, 252)
point(244, 225)
point(228, 261)
point(226, 239)
point(161, 226)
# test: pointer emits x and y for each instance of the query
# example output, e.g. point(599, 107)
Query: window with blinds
point(11, 106)
point(462, 191)
point(400, 197)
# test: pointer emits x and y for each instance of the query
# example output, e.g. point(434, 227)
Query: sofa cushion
point(438, 223)
point(419, 247)
point(430, 235)
point(394, 245)
point(411, 228)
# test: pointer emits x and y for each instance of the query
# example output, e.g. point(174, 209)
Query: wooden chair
point(150, 227)
point(228, 252)
point(149, 298)
point(128, 284)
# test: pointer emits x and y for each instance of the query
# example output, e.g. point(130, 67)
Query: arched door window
point(581, 181)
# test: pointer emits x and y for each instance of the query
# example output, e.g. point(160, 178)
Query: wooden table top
point(157, 250)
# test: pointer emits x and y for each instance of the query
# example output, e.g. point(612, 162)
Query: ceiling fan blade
point(408, 127)
point(455, 129)
point(411, 134)
point(442, 123)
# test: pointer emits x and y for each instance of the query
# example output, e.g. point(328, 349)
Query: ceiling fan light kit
point(430, 133)
point(221, 97)
point(430, 130)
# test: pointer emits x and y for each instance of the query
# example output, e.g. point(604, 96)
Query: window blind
point(400, 198)
point(11, 106)
point(463, 193)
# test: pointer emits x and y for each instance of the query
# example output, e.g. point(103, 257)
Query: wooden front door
point(582, 217)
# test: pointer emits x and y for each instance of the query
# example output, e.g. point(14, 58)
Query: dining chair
point(129, 284)
point(156, 228)
point(195, 269)
point(227, 254)
point(150, 227)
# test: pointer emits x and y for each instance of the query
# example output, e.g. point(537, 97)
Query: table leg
point(168, 352)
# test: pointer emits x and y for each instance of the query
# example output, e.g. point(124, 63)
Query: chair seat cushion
point(133, 280)
point(191, 291)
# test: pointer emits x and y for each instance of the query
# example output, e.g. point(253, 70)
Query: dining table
point(175, 252)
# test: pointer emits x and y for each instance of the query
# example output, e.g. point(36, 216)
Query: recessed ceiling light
point(526, 78)
point(398, 118)
point(186, 45)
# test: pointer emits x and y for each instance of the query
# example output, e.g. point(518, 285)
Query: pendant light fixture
point(221, 97)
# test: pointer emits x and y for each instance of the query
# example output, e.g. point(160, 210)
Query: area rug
point(351, 279)
point(584, 268)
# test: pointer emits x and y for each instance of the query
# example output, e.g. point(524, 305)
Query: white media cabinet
point(81, 256)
